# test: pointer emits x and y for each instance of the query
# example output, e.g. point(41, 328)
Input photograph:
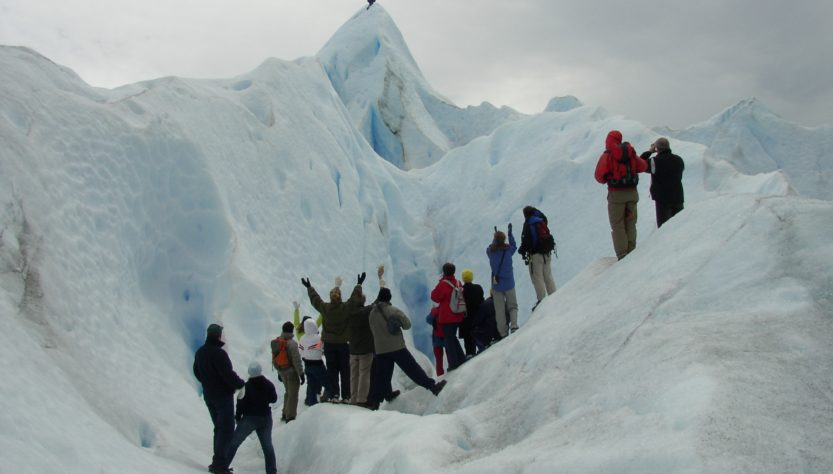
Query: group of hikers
point(347, 354)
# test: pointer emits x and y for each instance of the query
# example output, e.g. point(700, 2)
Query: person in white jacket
point(312, 352)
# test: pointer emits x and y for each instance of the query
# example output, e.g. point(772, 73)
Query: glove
point(280, 379)
point(510, 228)
point(380, 271)
point(305, 282)
point(303, 379)
point(295, 304)
point(495, 229)
point(362, 277)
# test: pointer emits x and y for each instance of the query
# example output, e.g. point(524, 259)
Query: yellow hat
point(468, 275)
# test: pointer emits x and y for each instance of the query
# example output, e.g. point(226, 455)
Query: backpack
point(546, 242)
point(457, 303)
point(280, 357)
point(618, 180)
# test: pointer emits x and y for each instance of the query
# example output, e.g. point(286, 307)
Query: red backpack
point(280, 356)
point(621, 170)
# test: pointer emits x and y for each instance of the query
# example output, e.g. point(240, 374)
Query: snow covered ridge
point(131, 218)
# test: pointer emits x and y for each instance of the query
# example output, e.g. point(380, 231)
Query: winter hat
point(255, 369)
point(304, 319)
point(288, 327)
point(662, 144)
point(214, 330)
point(468, 275)
point(384, 295)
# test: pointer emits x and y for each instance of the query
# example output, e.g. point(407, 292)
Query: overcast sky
point(670, 63)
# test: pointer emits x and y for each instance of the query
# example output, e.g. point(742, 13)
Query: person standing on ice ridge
point(390, 350)
point(537, 245)
point(286, 359)
point(254, 414)
point(213, 369)
point(450, 321)
point(503, 280)
point(335, 332)
point(618, 167)
point(666, 180)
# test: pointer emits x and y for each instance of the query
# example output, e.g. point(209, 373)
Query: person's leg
point(264, 435)
point(320, 373)
point(382, 373)
point(363, 382)
point(354, 378)
point(244, 428)
point(313, 386)
point(405, 360)
point(549, 281)
point(292, 382)
point(499, 299)
point(536, 274)
point(223, 429)
point(452, 346)
point(660, 211)
point(438, 359)
point(512, 305)
point(332, 356)
point(631, 218)
point(616, 207)
point(344, 370)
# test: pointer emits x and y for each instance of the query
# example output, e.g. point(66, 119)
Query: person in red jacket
point(619, 168)
point(449, 321)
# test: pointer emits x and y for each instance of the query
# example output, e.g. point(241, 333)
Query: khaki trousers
point(360, 377)
point(541, 275)
point(291, 384)
point(621, 210)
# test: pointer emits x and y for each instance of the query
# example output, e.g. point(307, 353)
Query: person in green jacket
point(335, 332)
point(299, 323)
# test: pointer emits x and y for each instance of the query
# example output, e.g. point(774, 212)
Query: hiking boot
point(438, 387)
point(372, 406)
point(513, 329)
point(392, 396)
point(220, 470)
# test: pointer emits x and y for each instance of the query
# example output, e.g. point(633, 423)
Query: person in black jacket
point(666, 180)
point(254, 414)
point(473, 294)
point(212, 368)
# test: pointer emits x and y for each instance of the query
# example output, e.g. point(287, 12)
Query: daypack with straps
point(546, 242)
point(619, 180)
point(457, 303)
point(280, 355)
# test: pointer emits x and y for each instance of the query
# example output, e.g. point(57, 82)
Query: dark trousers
point(316, 378)
point(338, 367)
point(222, 415)
point(382, 373)
point(262, 425)
point(453, 351)
point(468, 339)
point(666, 210)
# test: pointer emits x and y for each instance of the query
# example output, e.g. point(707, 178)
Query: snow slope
point(755, 140)
point(131, 218)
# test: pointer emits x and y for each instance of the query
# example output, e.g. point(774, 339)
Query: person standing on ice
point(537, 245)
point(286, 359)
point(666, 180)
point(473, 294)
point(391, 349)
point(254, 414)
point(362, 348)
point(448, 319)
point(335, 332)
point(503, 280)
point(437, 339)
point(312, 352)
point(619, 168)
point(213, 369)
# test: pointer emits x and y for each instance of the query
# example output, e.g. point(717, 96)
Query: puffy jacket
point(441, 294)
point(609, 165)
point(212, 367)
point(500, 260)
point(666, 176)
point(311, 346)
point(260, 392)
point(336, 315)
point(383, 340)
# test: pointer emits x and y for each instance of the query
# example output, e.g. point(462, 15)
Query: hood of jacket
point(310, 327)
point(614, 140)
